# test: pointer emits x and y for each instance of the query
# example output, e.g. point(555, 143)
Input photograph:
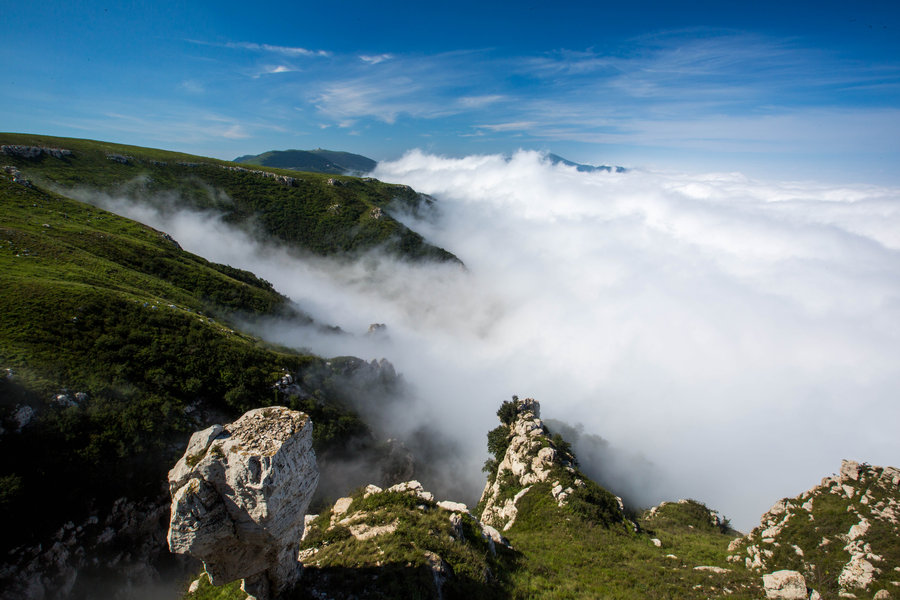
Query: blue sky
point(796, 90)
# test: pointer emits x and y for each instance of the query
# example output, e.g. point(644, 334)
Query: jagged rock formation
point(530, 457)
point(239, 496)
point(842, 535)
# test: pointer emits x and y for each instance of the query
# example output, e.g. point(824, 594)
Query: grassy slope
point(582, 550)
point(311, 215)
point(91, 302)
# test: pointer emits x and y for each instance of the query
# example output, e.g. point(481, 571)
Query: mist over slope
point(739, 336)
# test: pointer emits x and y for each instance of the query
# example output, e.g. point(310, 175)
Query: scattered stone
point(120, 158)
point(371, 489)
point(16, 176)
point(412, 487)
point(717, 570)
point(362, 531)
point(453, 506)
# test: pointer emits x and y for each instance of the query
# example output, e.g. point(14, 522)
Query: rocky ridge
point(841, 536)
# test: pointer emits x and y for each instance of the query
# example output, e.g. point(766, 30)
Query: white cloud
point(480, 101)
point(742, 335)
point(235, 132)
point(376, 58)
point(192, 86)
point(514, 126)
point(285, 50)
point(280, 69)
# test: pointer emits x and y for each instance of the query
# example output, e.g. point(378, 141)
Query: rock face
point(239, 497)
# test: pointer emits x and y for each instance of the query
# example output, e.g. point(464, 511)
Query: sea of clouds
point(730, 339)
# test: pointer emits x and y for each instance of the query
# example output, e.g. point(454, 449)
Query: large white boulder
point(239, 497)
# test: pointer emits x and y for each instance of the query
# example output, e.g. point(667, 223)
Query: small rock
point(453, 506)
point(718, 570)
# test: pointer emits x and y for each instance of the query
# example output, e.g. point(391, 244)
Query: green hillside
point(318, 160)
point(309, 212)
point(114, 346)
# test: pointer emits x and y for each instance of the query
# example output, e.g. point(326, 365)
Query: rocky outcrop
point(15, 175)
point(20, 151)
point(239, 497)
point(530, 458)
point(850, 518)
point(368, 536)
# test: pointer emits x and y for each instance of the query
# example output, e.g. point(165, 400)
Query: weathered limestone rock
point(239, 497)
point(787, 585)
point(525, 459)
point(857, 573)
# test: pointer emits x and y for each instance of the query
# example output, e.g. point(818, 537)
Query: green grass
point(563, 554)
point(208, 591)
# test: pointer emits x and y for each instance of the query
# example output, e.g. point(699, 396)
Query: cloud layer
point(741, 337)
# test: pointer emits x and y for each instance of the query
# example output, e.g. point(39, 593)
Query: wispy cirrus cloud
point(513, 126)
point(285, 50)
point(274, 70)
point(426, 87)
point(480, 101)
point(374, 59)
point(700, 90)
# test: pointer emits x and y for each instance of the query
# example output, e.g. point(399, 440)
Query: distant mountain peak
point(316, 161)
point(555, 159)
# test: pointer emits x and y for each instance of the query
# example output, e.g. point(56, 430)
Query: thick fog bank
point(735, 336)
point(743, 336)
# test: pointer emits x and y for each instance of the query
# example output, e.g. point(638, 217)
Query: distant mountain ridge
point(555, 159)
point(316, 161)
